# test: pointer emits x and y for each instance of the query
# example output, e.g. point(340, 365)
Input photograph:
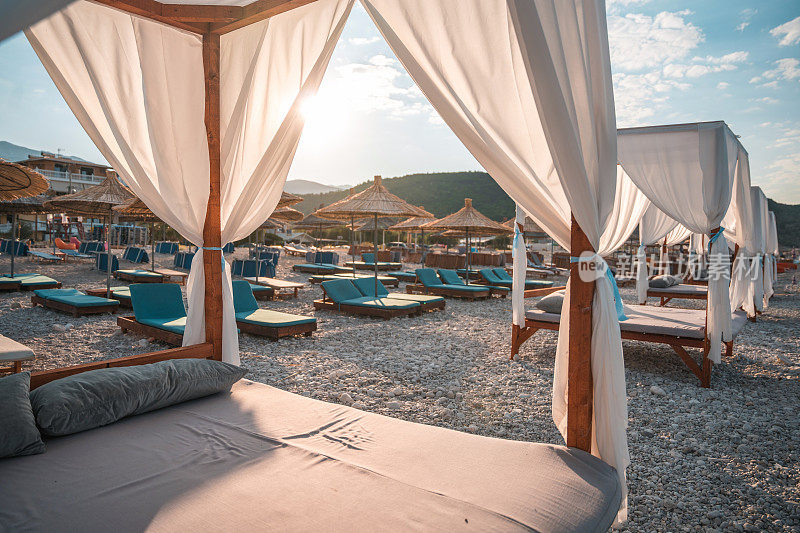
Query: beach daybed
point(7, 283)
point(13, 353)
point(677, 328)
point(139, 276)
point(158, 312)
point(342, 295)
point(266, 322)
point(266, 456)
point(75, 254)
point(680, 291)
point(73, 301)
point(28, 282)
point(120, 294)
point(431, 284)
point(366, 286)
point(386, 280)
point(450, 277)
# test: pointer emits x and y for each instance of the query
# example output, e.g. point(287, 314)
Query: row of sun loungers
point(359, 297)
point(27, 282)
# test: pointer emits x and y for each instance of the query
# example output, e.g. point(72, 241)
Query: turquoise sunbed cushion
point(421, 298)
point(121, 292)
point(177, 325)
point(318, 266)
point(36, 280)
point(490, 276)
point(381, 303)
point(368, 258)
point(340, 290)
point(502, 274)
point(73, 297)
point(428, 277)
point(366, 286)
point(157, 301)
point(243, 299)
point(275, 319)
point(464, 288)
point(506, 279)
point(141, 273)
point(260, 288)
point(450, 277)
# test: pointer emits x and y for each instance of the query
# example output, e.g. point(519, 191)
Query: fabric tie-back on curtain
point(526, 86)
point(137, 87)
point(687, 172)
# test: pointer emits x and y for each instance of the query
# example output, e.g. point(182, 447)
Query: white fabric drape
point(137, 88)
point(654, 227)
point(772, 245)
point(687, 172)
point(759, 247)
point(526, 86)
point(16, 15)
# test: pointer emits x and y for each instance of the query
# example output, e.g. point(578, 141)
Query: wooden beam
point(579, 388)
point(258, 11)
point(212, 259)
point(150, 9)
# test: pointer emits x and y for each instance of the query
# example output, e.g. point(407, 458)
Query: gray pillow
point(661, 282)
point(676, 280)
point(99, 397)
point(551, 303)
point(18, 433)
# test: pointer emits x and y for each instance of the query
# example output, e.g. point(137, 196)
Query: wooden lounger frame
point(11, 287)
point(197, 351)
point(382, 267)
point(679, 344)
point(129, 323)
point(418, 288)
point(54, 285)
point(275, 333)
point(327, 304)
point(74, 310)
point(666, 296)
point(131, 278)
point(123, 302)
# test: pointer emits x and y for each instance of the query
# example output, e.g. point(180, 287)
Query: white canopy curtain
point(766, 250)
point(773, 246)
point(654, 227)
point(759, 247)
point(686, 170)
point(137, 87)
point(739, 230)
point(526, 86)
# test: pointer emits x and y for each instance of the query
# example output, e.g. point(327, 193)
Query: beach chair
point(29, 282)
point(183, 260)
point(431, 284)
point(158, 312)
point(386, 280)
point(135, 254)
point(166, 247)
point(228, 248)
point(342, 295)
point(138, 276)
point(18, 248)
point(366, 287)
point(75, 254)
point(368, 263)
point(505, 279)
point(451, 277)
point(403, 275)
point(73, 301)
point(120, 294)
point(251, 268)
point(101, 262)
point(45, 256)
point(266, 322)
point(535, 263)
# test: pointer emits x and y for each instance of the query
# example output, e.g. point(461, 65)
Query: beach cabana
point(217, 88)
point(656, 227)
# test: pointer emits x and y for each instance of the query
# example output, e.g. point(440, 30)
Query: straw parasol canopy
point(286, 214)
point(269, 224)
point(313, 221)
point(135, 210)
point(530, 227)
point(413, 224)
point(370, 224)
point(33, 205)
point(288, 199)
point(469, 221)
point(17, 181)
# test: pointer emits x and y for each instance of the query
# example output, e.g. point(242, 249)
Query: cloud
point(790, 32)
point(767, 100)
point(742, 26)
point(745, 15)
point(639, 41)
point(782, 177)
point(785, 69)
point(705, 65)
point(723, 85)
point(359, 41)
point(638, 96)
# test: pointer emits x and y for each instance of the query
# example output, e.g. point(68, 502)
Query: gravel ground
point(726, 458)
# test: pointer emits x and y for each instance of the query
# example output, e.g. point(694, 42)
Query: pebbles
point(725, 458)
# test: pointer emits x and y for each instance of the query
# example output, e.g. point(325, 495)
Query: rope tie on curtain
point(714, 237)
point(211, 248)
point(602, 265)
point(516, 242)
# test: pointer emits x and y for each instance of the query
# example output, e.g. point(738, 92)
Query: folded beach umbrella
point(95, 201)
point(469, 221)
point(375, 201)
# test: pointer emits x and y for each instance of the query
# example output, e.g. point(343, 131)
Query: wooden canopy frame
point(211, 21)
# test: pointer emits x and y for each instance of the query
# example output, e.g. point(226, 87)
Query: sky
point(673, 61)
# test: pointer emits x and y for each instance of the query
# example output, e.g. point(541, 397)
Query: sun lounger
point(366, 286)
point(7, 283)
point(228, 248)
point(173, 276)
point(294, 250)
point(386, 280)
point(682, 291)
point(406, 276)
point(75, 254)
point(677, 328)
point(101, 262)
point(451, 277)
point(265, 322)
point(13, 353)
point(280, 287)
point(166, 247)
point(250, 268)
point(91, 247)
point(138, 276)
point(261, 458)
point(134, 254)
point(431, 284)
point(534, 262)
point(504, 278)
point(158, 312)
point(342, 295)
point(45, 256)
point(183, 260)
point(319, 268)
point(28, 282)
point(120, 294)
point(368, 263)
point(73, 301)
point(19, 248)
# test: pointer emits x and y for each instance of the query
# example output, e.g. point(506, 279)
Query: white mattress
point(261, 459)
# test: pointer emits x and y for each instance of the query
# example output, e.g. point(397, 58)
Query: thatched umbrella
point(376, 201)
point(136, 210)
point(17, 181)
point(382, 224)
point(313, 221)
point(288, 199)
point(286, 214)
point(95, 201)
point(469, 221)
point(22, 206)
point(414, 224)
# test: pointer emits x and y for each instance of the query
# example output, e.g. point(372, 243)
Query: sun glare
point(323, 115)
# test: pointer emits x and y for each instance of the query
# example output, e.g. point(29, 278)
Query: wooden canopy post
point(579, 388)
point(664, 257)
point(212, 239)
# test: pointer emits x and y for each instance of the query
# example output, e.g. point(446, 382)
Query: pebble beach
point(720, 459)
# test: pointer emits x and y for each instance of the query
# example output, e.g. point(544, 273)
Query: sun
point(323, 116)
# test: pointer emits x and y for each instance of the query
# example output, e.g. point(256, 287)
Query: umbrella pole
point(468, 260)
point(13, 240)
point(108, 261)
point(352, 245)
point(375, 257)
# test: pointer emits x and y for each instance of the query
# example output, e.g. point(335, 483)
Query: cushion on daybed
point(340, 290)
point(662, 282)
point(384, 303)
point(18, 433)
point(274, 319)
point(367, 287)
point(34, 280)
point(263, 459)
point(100, 397)
point(73, 297)
point(157, 300)
point(138, 273)
point(428, 277)
point(551, 303)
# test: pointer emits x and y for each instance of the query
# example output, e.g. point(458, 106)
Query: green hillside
point(440, 193)
point(787, 220)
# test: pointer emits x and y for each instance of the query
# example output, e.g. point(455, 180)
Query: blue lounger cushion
point(36, 280)
point(275, 319)
point(344, 292)
point(159, 305)
point(450, 277)
point(506, 279)
point(137, 273)
point(19, 435)
point(428, 277)
point(177, 325)
point(73, 297)
point(367, 287)
point(384, 303)
point(261, 288)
